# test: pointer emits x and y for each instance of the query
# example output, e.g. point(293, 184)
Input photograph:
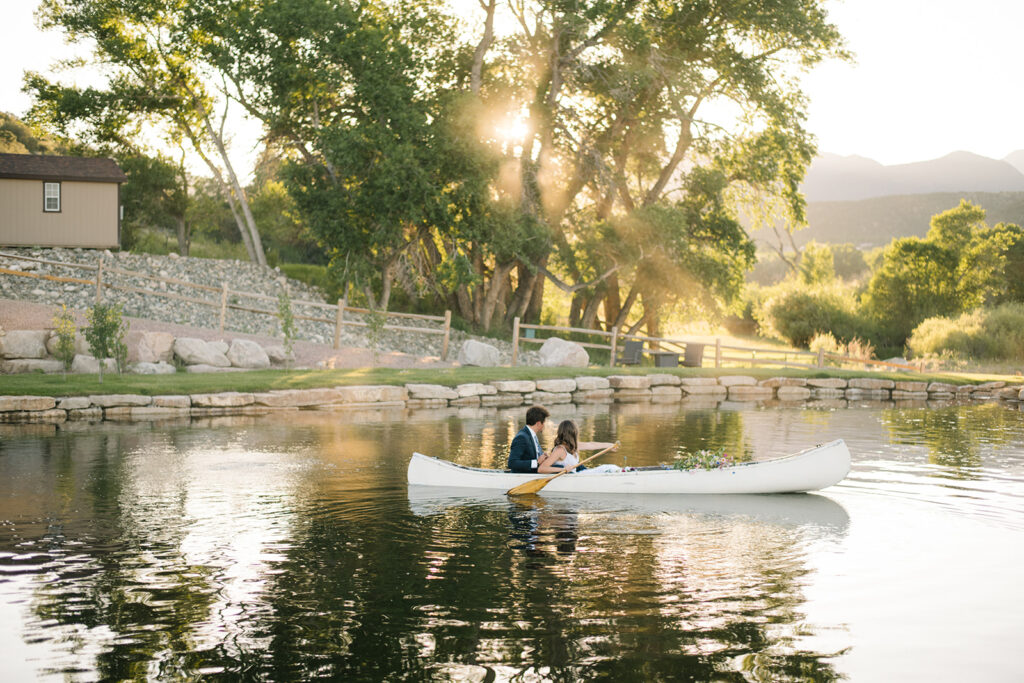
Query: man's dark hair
point(536, 414)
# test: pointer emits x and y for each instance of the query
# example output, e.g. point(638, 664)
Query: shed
point(54, 201)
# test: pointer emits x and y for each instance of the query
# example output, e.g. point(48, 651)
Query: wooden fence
point(724, 354)
point(228, 299)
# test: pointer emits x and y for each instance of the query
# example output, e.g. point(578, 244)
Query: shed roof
point(45, 167)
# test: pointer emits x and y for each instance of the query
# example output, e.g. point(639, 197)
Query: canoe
point(809, 470)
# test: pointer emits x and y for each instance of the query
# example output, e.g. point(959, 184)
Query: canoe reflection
point(784, 510)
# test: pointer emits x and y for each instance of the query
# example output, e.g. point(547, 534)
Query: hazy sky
point(931, 77)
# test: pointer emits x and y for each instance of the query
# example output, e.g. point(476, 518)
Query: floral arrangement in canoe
point(705, 459)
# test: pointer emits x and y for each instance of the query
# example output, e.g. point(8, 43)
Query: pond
point(289, 547)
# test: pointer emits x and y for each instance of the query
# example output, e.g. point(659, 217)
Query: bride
point(565, 452)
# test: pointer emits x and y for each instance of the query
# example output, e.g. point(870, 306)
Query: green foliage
point(954, 269)
point(817, 265)
point(797, 315)
point(848, 261)
point(286, 318)
point(105, 334)
point(315, 276)
point(283, 231)
point(64, 327)
point(703, 460)
point(18, 138)
point(1012, 288)
point(985, 333)
point(155, 197)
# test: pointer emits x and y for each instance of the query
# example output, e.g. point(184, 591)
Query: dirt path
point(24, 315)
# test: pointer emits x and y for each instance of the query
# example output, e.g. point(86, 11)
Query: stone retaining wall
point(654, 388)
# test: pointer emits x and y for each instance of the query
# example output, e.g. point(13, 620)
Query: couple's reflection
point(540, 527)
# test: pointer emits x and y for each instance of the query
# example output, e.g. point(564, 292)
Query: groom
point(525, 450)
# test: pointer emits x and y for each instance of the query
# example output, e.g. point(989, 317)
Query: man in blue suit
point(525, 451)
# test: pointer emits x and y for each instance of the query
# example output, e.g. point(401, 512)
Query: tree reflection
point(958, 437)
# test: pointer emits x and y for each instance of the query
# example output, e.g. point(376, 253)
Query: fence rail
point(787, 358)
point(103, 281)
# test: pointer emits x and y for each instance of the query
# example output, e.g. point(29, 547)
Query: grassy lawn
point(265, 380)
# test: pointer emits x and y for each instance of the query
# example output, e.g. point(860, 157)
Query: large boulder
point(18, 365)
point(194, 351)
point(559, 353)
point(153, 369)
point(430, 391)
point(278, 356)
point(245, 353)
point(479, 354)
point(20, 403)
point(150, 347)
point(81, 345)
point(87, 365)
point(24, 344)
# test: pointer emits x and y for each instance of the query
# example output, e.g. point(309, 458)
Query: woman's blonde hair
point(568, 436)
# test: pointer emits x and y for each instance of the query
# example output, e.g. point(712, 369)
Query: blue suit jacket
point(522, 454)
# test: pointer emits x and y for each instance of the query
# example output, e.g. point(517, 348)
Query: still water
point(289, 547)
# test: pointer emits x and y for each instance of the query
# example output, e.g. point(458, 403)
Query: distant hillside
point(1016, 159)
point(874, 222)
point(17, 138)
point(837, 178)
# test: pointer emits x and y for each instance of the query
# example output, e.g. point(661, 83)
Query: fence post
point(821, 358)
point(339, 318)
point(718, 352)
point(99, 281)
point(515, 341)
point(615, 344)
point(447, 333)
point(223, 305)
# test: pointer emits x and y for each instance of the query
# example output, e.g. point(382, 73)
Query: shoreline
point(654, 388)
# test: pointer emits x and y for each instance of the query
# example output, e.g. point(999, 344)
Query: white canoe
point(809, 470)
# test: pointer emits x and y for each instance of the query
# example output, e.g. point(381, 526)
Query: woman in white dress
point(565, 452)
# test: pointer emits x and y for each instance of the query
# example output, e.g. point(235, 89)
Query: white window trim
point(47, 197)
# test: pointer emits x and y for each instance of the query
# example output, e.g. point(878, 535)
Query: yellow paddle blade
point(531, 486)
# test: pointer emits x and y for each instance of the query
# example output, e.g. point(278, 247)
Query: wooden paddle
point(535, 485)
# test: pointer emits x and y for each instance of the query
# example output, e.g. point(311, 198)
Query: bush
point(106, 333)
point(982, 334)
point(64, 326)
point(798, 316)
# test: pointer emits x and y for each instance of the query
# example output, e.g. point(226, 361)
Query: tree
point(954, 269)
point(617, 94)
point(817, 264)
point(154, 58)
point(155, 196)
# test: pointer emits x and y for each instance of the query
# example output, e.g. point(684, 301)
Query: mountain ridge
point(832, 177)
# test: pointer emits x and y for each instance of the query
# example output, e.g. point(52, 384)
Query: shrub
point(105, 334)
point(287, 320)
point(64, 326)
point(824, 341)
point(983, 334)
point(798, 316)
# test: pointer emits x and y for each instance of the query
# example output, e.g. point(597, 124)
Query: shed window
point(51, 197)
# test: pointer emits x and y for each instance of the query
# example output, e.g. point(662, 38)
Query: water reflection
point(288, 547)
point(957, 437)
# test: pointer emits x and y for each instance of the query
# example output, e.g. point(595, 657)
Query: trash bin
point(694, 356)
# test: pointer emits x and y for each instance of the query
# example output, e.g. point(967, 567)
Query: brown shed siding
point(88, 215)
